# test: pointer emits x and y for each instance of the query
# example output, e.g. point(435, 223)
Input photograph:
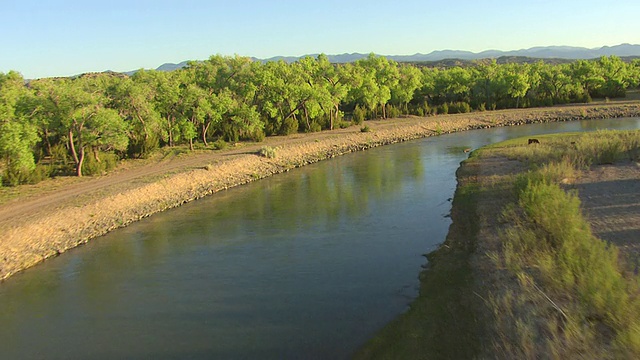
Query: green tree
point(17, 135)
point(88, 125)
point(372, 79)
point(409, 81)
point(133, 99)
point(517, 81)
point(614, 73)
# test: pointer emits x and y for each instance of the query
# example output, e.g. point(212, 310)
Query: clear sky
point(41, 38)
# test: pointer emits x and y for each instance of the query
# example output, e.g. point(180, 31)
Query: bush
point(91, 166)
point(344, 124)
point(289, 126)
point(141, 148)
point(268, 152)
point(315, 127)
point(359, 115)
point(13, 178)
point(443, 109)
point(220, 144)
point(460, 107)
point(392, 111)
point(365, 128)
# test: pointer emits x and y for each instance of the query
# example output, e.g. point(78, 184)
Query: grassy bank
point(570, 294)
point(521, 275)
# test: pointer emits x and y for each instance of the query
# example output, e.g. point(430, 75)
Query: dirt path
point(47, 219)
point(610, 196)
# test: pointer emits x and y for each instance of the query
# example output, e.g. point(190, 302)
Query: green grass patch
point(581, 150)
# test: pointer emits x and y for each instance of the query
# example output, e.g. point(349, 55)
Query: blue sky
point(59, 38)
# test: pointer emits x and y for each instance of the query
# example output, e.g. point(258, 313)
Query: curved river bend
point(307, 264)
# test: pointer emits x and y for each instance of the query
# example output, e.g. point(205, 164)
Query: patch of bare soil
point(610, 196)
point(60, 214)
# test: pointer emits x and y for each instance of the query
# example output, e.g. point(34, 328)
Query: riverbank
point(522, 275)
point(63, 213)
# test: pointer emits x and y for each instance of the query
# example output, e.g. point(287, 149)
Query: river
point(307, 264)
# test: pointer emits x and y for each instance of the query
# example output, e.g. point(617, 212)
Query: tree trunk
point(95, 154)
point(306, 117)
point(72, 147)
point(205, 128)
point(170, 132)
point(48, 142)
point(191, 144)
point(330, 118)
point(79, 163)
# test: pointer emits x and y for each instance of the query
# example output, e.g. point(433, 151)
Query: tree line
point(81, 125)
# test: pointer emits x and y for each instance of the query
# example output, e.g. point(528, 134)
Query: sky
point(43, 38)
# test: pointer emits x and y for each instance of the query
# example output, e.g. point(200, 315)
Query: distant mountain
point(171, 66)
point(556, 53)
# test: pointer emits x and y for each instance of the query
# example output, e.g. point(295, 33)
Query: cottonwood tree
point(371, 80)
point(409, 81)
point(17, 135)
point(78, 105)
point(133, 98)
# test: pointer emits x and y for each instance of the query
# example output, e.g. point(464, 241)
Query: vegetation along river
point(307, 264)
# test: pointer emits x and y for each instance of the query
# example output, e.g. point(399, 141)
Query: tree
point(17, 134)
point(372, 79)
point(133, 98)
point(79, 104)
point(614, 73)
point(517, 81)
point(409, 81)
point(167, 103)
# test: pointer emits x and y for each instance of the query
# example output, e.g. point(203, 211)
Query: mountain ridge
point(538, 52)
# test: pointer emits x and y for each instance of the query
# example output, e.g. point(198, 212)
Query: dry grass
point(562, 292)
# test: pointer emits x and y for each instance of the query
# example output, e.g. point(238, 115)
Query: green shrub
point(392, 111)
point(315, 127)
point(268, 152)
point(459, 108)
point(289, 126)
point(220, 144)
point(91, 166)
point(256, 135)
point(344, 124)
point(365, 128)
point(359, 115)
point(443, 109)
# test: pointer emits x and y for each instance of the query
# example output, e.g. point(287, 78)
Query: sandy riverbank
point(47, 223)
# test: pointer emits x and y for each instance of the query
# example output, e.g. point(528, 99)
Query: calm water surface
point(308, 264)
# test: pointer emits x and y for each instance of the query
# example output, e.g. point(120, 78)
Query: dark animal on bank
point(534, 141)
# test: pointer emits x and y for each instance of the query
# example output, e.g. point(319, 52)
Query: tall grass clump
point(268, 152)
point(593, 309)
point(581, 151)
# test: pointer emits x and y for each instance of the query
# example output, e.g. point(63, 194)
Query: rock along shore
point(50, 231)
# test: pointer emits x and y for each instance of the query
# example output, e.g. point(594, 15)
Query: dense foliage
point(51, 126)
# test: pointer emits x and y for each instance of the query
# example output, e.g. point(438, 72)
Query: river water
point(308, 264)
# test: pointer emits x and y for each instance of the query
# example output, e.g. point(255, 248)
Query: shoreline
point(62, 225)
